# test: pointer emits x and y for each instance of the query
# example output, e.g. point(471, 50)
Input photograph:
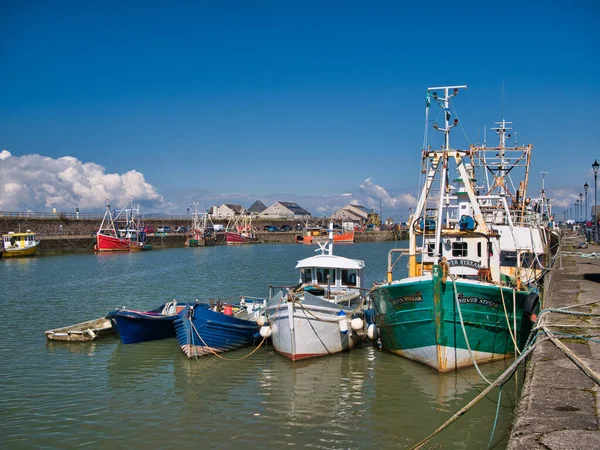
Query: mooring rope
point(216, 354)
point(306, 311)
point(539, 334)
point(500, 380)
point(510, 331)
point(462, 324)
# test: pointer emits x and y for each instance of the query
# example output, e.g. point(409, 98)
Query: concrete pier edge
point(559, 404)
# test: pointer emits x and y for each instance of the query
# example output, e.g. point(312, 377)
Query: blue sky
point(293, 101)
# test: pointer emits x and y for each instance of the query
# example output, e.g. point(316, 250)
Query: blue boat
point(201, 331)
point(134, 326)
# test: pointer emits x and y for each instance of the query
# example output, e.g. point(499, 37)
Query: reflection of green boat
point(455, 308)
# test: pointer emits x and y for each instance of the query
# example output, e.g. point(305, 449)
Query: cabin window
point(305, 275)
point(479, 249)
point(349, 277)
point(322, 273)
point(459, 249)
point(508, 259)
point(430, 249)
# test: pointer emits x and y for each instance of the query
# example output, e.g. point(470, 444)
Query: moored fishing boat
point(82, 332)
point(454, 309)
point(341, 237)
point(520, 221)
point(202, 330)
point(19, 244)
point(240, 231)
point(324, 314)
point(135, 326)
point(202, 231)
point(107, 238)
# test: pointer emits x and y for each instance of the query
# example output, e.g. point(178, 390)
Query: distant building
point(285, 210)
point(352, 213)
point(226, 211)
point(257, 208)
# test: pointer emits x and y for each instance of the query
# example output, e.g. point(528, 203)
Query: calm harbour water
point(105, 394)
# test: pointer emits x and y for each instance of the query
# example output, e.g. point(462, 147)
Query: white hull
point(450, 357)
point(310, 328)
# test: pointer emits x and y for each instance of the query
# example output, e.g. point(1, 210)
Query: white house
point(225, 211)
point(352, 213)
point(285, 210)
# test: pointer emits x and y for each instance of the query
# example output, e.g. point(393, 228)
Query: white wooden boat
point(82, 332)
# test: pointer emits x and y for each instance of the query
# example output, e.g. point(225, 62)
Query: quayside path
point(560, 403)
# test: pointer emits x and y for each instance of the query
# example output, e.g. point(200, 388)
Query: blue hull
point(201, 331)
point(141, 326)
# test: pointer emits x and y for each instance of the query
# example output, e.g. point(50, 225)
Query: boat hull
point(310, 328)
point(415, 322)
point(236, 238)
point(105, 243)
point(141, 326)
point(20, 252)
point(201, 331)
point(82, 332)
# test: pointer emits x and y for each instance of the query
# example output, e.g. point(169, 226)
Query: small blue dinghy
point(202, 331)
point(134, 326)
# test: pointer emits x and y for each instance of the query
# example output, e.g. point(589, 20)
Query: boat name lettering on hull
point(464, 263)
point(415, 298)
point(477, 300)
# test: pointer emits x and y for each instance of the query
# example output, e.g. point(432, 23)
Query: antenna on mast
point(543, 176)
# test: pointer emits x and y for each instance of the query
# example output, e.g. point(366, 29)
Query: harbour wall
point(65, 243)
point(65, 226)
point(66, 235)
point(559, 406)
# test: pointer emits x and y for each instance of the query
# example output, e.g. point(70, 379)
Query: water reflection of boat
point(303, 396)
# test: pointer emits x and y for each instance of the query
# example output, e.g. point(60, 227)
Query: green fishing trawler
point(457, 307)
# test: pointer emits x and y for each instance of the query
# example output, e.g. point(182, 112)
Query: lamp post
point(585, 189)
point(581, 207)
point(585, 215)
point(595, 166)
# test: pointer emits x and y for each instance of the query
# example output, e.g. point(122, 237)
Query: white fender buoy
point(343, 322)
point(372, 332)
point(357, 324)
point(261, 320)
point(265, 332)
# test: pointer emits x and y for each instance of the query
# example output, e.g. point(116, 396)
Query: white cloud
point(563, 197)
point(38, 183)
point(380, 194)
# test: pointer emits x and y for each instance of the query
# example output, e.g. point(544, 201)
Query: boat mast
point(443, 181)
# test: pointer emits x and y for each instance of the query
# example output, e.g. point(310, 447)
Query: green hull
point(420, 319)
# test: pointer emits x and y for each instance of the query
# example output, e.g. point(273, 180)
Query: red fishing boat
point(240, 231)
point(107, 238)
